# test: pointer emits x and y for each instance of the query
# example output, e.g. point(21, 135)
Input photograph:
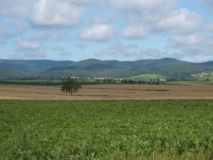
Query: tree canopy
point(70, 85)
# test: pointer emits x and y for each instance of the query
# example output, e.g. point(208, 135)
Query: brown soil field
point(105, 92)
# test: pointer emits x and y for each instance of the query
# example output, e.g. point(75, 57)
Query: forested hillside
point(48, 69)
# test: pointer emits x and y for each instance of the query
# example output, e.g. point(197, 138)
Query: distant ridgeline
point(166, 68)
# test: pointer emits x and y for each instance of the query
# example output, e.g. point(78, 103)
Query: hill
point(90, 68)
point(209, 63)
point(31, 66)
point(6, 73)
point(166, 67)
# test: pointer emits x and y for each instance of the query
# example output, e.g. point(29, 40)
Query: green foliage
point(166, 67)
point(31, 82)
point(157, 129)
point(89, 62)
point(203, 76)
point(70, 85)
point(6, 73)
point(32, 66)
point(131, 81)
point(99, 71)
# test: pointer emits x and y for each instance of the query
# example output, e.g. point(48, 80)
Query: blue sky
point(106, 30)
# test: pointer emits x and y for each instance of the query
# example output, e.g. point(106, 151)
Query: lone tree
point(70, 85)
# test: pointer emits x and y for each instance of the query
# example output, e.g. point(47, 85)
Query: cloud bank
point(111, 29)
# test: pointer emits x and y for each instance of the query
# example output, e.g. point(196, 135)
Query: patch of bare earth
point(99, 92)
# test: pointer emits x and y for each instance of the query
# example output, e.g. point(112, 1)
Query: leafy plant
point(157, 129)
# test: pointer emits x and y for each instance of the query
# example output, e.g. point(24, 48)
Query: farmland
point(114, 121)
point(101, 129)
point(108, 92)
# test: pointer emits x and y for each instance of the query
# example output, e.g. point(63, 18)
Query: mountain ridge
point(166, 67)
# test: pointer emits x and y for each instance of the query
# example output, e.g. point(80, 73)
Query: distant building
point(99, 78)
point(162, 80)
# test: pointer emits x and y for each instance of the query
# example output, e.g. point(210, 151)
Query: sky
point(107, 30)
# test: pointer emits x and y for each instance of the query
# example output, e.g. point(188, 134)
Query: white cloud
point(144, 12)
point(19, 26)
point(61, 51)
point(15, 56)
point(135, 32)
point(54, 13)
point(191, 45)
point(86, 2)
point(35, 54)
point(80, 46)
point(29, 55)
point(44, 35)
point(184, 40)
point(40, 35)
point(65, 53)
point(140, 5)
point(34, 23)
point(156, 16)
point(210, 27)
point(97, 33)
point(59, 35)
point(4, 34)
point(151, 53)
point(118, 49)
point(49, 13)
point(180, 21)
point(58, 48)
point(17, 8)
point(23, 45)
point(103, 18)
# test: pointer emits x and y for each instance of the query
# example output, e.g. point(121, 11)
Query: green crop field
point(157, 129)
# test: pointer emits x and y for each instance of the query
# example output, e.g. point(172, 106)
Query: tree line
point(131, 81)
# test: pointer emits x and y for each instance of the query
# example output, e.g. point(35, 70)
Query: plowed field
point(98, 92)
